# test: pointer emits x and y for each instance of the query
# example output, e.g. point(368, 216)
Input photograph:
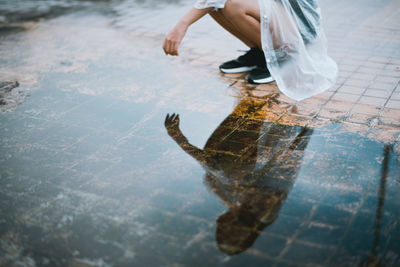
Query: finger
point(166, 119)
point(165, 47)
point(176, 46)
point(169, 48)
point(174, 50)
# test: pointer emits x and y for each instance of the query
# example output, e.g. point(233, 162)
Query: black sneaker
point(253, 58)
point(260, 75)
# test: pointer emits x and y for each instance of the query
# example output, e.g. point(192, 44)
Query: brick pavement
point(363, 39)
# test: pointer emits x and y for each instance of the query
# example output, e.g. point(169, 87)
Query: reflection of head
point(238, 228)
point(236, 232)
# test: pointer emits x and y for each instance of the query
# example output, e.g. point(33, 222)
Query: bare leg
point(219, 17)
point(242, 19)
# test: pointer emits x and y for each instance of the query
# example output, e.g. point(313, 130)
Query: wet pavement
point(97, 169)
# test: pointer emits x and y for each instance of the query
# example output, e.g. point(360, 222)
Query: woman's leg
point(242, 19)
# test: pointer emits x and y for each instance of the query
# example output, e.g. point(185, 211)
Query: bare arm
point(175, 36)
point(172, 126)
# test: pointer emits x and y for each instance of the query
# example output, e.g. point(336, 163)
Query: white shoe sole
point(238, 70)
point(265, 80)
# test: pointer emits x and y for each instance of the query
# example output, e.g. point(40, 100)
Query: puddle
point(250, 191)
point(252, 166)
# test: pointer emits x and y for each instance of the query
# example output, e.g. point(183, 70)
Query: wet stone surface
point(98, 169)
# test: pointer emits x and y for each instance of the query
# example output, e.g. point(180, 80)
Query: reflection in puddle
point(373, 258)
point(336, 177)
point(251, 165)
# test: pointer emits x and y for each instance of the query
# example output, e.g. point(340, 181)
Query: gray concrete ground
point(90, 175)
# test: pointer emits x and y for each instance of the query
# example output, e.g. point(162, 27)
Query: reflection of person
point(251, 165)
point(285, 38)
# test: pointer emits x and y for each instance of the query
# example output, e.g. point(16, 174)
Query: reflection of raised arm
point(175, 36)
point(172, 126)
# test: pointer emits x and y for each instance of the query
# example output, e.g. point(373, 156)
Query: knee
point(233, 3)
point(234, 7)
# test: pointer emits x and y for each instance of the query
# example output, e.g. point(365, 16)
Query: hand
point(172, 123)
point(174, 39)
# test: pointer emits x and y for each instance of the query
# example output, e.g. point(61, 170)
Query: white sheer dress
point(294, 45)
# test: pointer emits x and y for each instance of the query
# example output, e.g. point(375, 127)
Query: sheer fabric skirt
point(294, 45)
